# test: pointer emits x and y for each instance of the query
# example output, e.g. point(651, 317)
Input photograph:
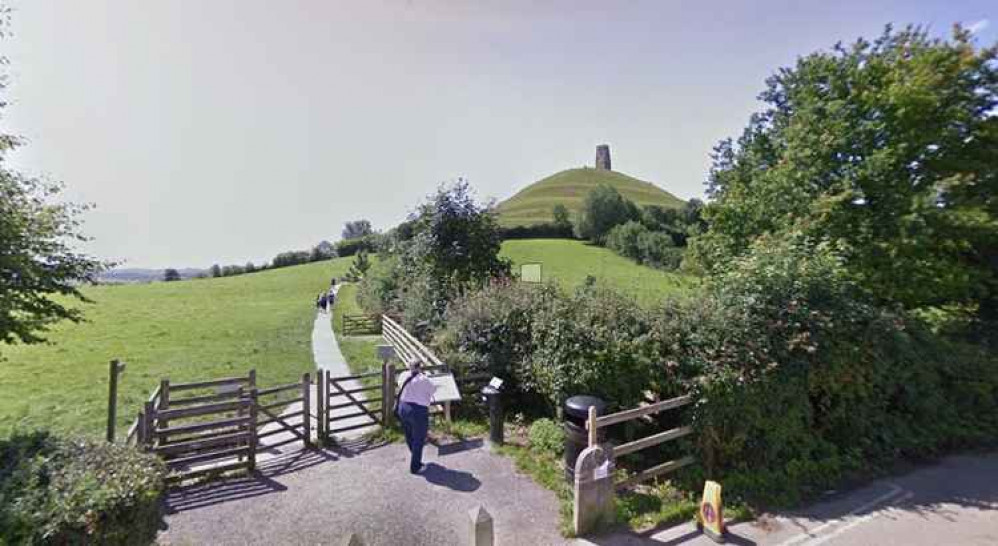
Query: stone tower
point(603, 157)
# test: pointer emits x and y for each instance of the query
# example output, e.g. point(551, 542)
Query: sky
point(227, 131)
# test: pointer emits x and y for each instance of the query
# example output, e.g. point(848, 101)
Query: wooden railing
point(596, 422)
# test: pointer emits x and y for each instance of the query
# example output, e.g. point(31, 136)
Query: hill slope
point(533, 204)
point(187, 331)
point(569, 262)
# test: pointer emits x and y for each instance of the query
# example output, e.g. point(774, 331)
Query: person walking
point(320, 302)
point(330, 299)
point(415, 396)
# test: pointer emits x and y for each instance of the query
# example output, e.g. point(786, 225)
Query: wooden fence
point(408, 348)
point(356, 325)
point(272, 401)
point(339, 395)
point(596, 422)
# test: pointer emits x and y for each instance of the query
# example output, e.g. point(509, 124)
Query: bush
point(604, 209)
point(538, 231)
point(57, 491)
point(349, 247)
point(652, 248)
point(547, 436)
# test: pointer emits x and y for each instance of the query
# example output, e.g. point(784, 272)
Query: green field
point(188, 330)
point(569, 262)
point(533, 204)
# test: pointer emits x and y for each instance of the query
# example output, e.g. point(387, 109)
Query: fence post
point(112, 397)
point(140, 433)
point(149, 424)
point(252, 428)
point(252, 378)
point(594, 490)
point(387, 393)
point(591, 426)
point(306, 391)
point(164, 400)
point(320, 406)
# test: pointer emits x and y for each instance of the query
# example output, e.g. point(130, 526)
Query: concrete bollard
point(481, 532)
point(594, 491)
point(353, 540)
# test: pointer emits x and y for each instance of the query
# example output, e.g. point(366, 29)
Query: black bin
point(576, 412)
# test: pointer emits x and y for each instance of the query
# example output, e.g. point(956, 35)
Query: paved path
point(954, 502)
point(321, 497)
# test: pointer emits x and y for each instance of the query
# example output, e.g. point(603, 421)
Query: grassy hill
point(188, 330)
point(569, 262)
point(533, 204)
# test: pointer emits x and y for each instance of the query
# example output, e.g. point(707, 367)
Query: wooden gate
point(283, 427)
point(344, 407)
point(212, 429)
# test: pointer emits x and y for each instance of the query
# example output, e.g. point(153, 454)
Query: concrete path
point(327, 356)
point(322, 496)
point(954, 502)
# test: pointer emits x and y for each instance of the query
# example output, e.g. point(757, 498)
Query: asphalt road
point(952, 503)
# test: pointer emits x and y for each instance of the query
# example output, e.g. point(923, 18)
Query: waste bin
point(576, 437)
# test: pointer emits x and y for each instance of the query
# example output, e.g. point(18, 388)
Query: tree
point(604, 208)
point(38, 259)
point(323, 251)
point(561, 217)
point(357, 229)
point(887, 151)
point(170, 275)
point(216, 270)
point(249, 268)
point(358, 269)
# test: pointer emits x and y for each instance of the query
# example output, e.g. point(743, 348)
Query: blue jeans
point(415, 423)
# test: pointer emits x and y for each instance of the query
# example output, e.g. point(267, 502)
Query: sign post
point(710, 518)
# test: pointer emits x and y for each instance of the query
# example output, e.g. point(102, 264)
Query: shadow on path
point(451, 479)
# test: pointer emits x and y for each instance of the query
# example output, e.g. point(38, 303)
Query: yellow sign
point(711, 515)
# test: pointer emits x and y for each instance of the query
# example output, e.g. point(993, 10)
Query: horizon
point(229, 132)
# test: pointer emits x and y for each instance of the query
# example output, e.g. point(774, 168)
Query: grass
point(569, 262)
point(534, 204)
point(186, 331)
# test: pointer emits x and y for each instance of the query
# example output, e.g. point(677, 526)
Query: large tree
point(357, 229)
point(604, 209)
point(887, 150)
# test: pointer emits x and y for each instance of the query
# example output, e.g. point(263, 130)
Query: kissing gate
point(219, 425)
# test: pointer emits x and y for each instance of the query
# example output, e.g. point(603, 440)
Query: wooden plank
point(192, 437)
point(281, 388)
point(653, 440)
point(212, 383)
point(180, 476)
point(204, 410)
point(306, 405)
point(657, 407)
point(198, 427)
point(202, 399)
point(348, 404)
point(254, 402)
point(655, 471)
point(280, 404)
point(352, 415)
point(358, 376)
point(200, 458)
point(343, 391)
point(199, 445)
point(281, 418)
point(352, 399)
point(293, 430)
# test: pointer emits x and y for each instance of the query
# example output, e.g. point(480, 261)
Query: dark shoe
point(418, 470)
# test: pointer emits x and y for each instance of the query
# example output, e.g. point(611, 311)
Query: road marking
point(811, 534)
point(854, 523)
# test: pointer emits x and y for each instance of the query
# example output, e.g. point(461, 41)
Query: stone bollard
point(353, 540)
point(594, 491)
point(481, 532)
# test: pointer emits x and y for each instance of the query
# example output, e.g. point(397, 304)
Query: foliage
point(349, 247)
point(292, 257)
point(453, 244)
point(57, 491)
point(170, 275)
point(547, 436)
point(358, 269)
point(652, 248)
point(216, 270)
point(538, 231)
point(561, 217)
point(322, 251)
point(886, 151)
point(680, 223)
point(603, 209)
point(357, 229)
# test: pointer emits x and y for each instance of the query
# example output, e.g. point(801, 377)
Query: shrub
point(547, 436)
point(365, 243)
point(57, 491)
point(652, 248)
point(604, 209)
point(538, 231)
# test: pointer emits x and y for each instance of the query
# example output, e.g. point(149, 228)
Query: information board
point(446, 388)
point(531, 273)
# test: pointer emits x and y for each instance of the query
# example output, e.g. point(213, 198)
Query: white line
point(854, 523)
point(810, 534)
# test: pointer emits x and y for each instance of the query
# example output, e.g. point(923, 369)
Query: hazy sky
point(225, 131)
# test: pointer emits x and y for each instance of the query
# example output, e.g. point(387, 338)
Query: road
point(953, 502)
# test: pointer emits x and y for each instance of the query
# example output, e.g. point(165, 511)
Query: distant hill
point(533, 204)
point(135, 274)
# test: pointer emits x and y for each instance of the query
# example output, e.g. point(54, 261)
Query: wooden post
point(140, 433)
point(387, 393)
point(306, 392)
point(252, 378)
point(164, 402)
point(252, 428)
point(591, 425)
point(112, 398)
point(149, 424)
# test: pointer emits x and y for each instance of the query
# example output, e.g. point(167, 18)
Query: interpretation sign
point(446, 388)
